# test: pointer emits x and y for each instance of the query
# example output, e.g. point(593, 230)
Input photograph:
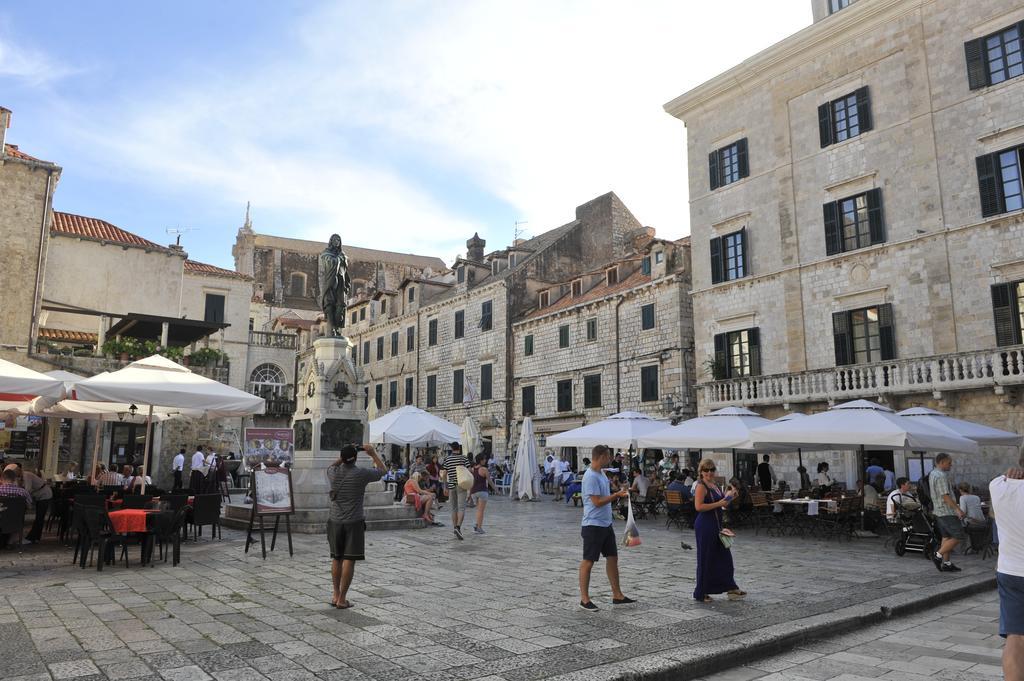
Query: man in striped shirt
point(456, 494)
point(346, 524)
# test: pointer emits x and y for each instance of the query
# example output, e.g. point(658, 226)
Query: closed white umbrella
point(525, 474)
point(472, 443)
point(409, 425)
point(727, 428)
point(620, 431)
point(859, 424)
point(372, 413)
point(980, 433)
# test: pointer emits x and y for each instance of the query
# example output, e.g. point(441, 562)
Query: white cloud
point(543, 105)
point(31, 66)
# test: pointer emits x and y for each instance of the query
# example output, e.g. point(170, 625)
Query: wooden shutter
point(876, 223)
point(990, 188)
point(833, 234)
point(977, 69)
point(886, 332)
point(864, 109)
point(1006, 315)
point(743, 247)
point(825, 124)
point(721, 368)
point(741, 157)
point(841, 338)
point(717, 261)
point(713, 170)
point(754, 345)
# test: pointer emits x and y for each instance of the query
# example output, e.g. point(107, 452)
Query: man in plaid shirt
point(9, 486)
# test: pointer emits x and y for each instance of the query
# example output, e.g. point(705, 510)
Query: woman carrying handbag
point(714, 558)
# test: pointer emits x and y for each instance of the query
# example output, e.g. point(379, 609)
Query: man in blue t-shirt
point(598, 535)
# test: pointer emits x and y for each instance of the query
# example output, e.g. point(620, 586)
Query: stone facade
point(508, 280)
point(937, 257)
point(603, 312)
point(26, 196)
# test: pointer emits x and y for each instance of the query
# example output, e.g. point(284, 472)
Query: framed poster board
point(266, 445)
point(272, 491)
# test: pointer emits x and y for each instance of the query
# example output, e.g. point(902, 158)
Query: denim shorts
point(1011, 604)
point(477, 496)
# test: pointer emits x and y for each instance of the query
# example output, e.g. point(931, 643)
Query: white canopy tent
point(525, 474)
point(980, 433)
point(724, 429)
point(620, 431)
point(158, 382)
point(412, 426)
point(19, 385)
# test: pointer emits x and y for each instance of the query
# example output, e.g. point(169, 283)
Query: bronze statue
point(335, 285)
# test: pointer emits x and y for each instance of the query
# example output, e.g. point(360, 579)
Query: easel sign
point(271, 493)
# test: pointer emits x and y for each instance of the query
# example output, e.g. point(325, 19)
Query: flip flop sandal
point(736, 595)
point(708, 599)
point(344, 606)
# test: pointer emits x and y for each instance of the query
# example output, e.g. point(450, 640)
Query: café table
point(794, 521)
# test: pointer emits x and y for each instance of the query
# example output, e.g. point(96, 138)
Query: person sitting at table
point(72, 472)
point(743, 503)
point(9, 487)
point(677, 485)
point(872, 493)
point(970, 504)
point(111, 478)
point(640, 484)
point(134, 479)
point(686, 477)
point(899, 499)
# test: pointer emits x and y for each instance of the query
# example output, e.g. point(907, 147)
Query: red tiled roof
point(13, 151)
point(602, 290)
point(100, 230)
point(66, 336)
point(203, 268)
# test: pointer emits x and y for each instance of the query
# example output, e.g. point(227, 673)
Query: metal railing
point(268, 339)
point(279, 406)
point(959, 371)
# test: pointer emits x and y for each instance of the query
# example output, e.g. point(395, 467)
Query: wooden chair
point(675, 509)
point(763, 514)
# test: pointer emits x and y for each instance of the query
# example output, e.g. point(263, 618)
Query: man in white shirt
point(1008, 506)
point(177, 467)
point(195, 483)
point(890, 479)
point(900, 497)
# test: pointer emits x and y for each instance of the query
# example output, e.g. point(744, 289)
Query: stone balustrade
point(993, 368)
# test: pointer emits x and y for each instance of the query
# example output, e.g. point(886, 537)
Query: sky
point(403, 126)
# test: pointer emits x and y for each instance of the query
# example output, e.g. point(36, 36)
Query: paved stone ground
point(953, 642)
point(500, 606)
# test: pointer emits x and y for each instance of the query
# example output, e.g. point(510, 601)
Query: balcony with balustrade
point(1000, 369)
point(269, 339)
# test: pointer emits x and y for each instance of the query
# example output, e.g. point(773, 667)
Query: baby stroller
point(917, 533)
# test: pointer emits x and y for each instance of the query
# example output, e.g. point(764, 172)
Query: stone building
point(443, 342)
point(616, 338)
point(855, 202)
point(27, 185)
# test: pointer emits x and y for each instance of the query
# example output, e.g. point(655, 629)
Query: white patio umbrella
point(19, 385)
point(409, 425)
point(789, 417)
point(620, 431)
point(525, 474)
point(727, 428)
point(980, 433)
point(158, 382)
point(860, 424)
point(471, 440)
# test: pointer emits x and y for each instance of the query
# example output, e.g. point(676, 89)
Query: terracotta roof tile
point(600, 291)
point(100, 230)
point(67, 336)
point(203, 268)
point(13, 151)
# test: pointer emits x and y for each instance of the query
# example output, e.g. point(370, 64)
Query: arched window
point(297, 285)
point(267, 381)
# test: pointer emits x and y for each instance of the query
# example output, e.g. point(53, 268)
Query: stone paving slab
point(495, 606)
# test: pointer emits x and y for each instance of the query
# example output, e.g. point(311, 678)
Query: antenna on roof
point(517, 232)
point(178, 231)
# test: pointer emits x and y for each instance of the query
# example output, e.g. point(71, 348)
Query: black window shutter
point(886, 332)
point(717, 273)
point(713, 169)
point(1008, 331)
point(741, 157)
point(977, 69)
point(864, 109)
point(744, 247)
point(754, 345)
point(721, 368)
point(876, 222)
point(833, 235)
point(825, 124)
point(841, 338)
point(989, 185)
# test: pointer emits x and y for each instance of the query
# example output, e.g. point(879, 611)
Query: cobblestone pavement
point(953, 642)
point(498, 606)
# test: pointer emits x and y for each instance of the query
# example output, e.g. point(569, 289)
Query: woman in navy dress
point(714, 561)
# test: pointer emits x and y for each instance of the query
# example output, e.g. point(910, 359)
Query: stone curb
point(779, 638)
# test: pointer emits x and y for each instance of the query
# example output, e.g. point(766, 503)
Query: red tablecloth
point(129, 520)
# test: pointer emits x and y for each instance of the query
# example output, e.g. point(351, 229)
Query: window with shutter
point(836, 5)
point(1007, 303)
point(591, 330)
point(543, 299)
point(380, 348)
point(394, 343)
point(563, 392)
point(409, 397)
point(366, 352)
point(754, 348)
point(431, 391)
point(825, 124)
point(886, 333)
point(645, 266)
point(833, 235)
point(528, 345)
point(485, 382)
point(529, 408)
point(717, 274)
point(728, 164)
point(563, 336)
point(649, 383)
point(841, 338)
point(393, 394)
point(845, 117)
point(592, 391)
point(458, 383)
point(647, 317)
point(410, 339)
point(378, 395)
point(737, 354)
point(485, 315)
point(214, 308)
point(999, 181)
point(460, 323)
point(854, 222)
point(1003, 54)
point(864, 335)
point(713, 169)
point(734, 255)
point(720, 365)
point(432, 332)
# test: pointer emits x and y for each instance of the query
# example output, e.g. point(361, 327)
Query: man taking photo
point(346, 525)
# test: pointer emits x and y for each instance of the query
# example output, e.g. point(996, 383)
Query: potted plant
point(150, 348)
point(115, 347)
point(175, 354)
point(207, 356)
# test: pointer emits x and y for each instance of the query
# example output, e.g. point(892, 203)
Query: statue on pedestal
point(335, 285)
